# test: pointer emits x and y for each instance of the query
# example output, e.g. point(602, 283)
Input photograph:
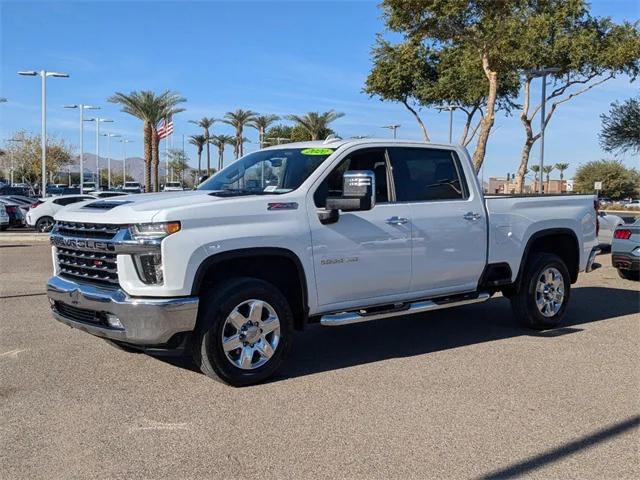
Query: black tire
point(44, 224)
point(628, 274)
point(3, 228)
point(215, 306)
point(523, 302)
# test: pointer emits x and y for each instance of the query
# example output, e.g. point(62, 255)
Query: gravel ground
point(456, 394)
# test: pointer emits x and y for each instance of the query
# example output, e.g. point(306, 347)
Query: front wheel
point(628, 274)
point(244, 333)
point(542, 299)
point(44, 224)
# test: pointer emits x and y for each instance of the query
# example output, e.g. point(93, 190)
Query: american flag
point(166, 128)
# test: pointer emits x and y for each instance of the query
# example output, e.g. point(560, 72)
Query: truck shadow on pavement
point(319, 349)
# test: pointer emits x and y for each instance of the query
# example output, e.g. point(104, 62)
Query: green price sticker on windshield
point(317, 151)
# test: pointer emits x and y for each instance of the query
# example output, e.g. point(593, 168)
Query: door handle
point(471, 216)
point(397, 220)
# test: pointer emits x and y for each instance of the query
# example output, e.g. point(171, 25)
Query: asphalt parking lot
point(456, 394)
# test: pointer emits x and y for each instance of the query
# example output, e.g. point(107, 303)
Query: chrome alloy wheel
point(251, 334)
point(549, 292)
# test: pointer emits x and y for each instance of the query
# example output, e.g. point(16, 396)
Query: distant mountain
point(135, 166)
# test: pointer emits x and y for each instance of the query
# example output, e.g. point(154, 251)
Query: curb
point(24, 237)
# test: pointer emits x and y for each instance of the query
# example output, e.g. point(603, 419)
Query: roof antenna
point(331, 138)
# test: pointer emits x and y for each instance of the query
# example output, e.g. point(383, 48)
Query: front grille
point(87, 230)
point(95, 267)
point(79, 314)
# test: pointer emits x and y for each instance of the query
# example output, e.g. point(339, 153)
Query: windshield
point(267, 172)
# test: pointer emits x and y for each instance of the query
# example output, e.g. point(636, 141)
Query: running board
point(346, 318)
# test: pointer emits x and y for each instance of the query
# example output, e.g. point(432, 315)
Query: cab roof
point(335, 143)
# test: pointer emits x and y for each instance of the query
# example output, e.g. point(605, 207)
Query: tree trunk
point(155, 159)
point(147, 155)
point(220, 157)
point(199, 163)
point(240, 142)
point(206, 132)
point(524, 162)
point(487, 121)
point(419, 120)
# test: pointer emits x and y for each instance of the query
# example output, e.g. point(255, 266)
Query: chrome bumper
point(144, 321)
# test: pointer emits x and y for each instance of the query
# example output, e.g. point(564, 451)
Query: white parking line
point(152, 425)
point(13, 353)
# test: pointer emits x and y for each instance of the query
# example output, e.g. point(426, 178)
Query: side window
point(373, 159)
point(61, 201)
point(423, 174)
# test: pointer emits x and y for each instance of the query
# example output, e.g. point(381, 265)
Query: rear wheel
point(244, 332)
point(544, 293)
point(44, 224)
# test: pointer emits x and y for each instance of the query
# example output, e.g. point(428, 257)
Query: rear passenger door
point(449, 232)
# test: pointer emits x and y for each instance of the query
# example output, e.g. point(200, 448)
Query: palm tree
point(220, 141)
point(547, 169)
point(238, 120)
point(199, 141)
point(151, 109)
point(261, 123)
point(315, 123)
point(237, 145)
point(206, 123)
point(562, 167)
point(535, 169)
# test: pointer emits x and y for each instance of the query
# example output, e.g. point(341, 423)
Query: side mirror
point(358, 194)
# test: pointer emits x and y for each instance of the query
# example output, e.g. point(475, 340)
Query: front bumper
point(144, 321)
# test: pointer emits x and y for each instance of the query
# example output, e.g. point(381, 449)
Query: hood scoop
point(107, 204)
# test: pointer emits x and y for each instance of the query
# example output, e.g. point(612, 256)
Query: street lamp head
point(89, 119)
point(90, 107)
point(28, 73)
point(110, 135)
point(3, 100)
point(71, 106)
point(107, 120)
point(57, 74)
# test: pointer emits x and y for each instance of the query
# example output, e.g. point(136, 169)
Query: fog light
point(113, 321)
point(636, 252)
point(149, 268)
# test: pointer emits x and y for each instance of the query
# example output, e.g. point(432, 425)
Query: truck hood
point(138, 208)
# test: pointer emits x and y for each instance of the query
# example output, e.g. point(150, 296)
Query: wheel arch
point(278, 266)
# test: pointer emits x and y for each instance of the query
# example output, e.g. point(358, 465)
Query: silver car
point(625, 251)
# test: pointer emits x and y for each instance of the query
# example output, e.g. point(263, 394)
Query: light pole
point(98, 120)
point(393, 127)
point(124, 142)
point(109, 137)
point(43, 143)
point(543, 72)
point(450, 109)
point(15, 140)
point(82, 108)
point(3, 100)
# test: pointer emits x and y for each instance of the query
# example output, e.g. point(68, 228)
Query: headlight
point(152, 231)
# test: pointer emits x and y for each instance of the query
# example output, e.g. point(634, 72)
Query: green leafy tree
point(151, 108)
point(279, 134)
point(221, 141)
point(238, 120)
point(617, 180)
point(178, 163)
point(315, 124)
point(205, 123)
point(621, 127)
point(199, 141)
point(586, 51)
point(262, 123)
point(26, 157)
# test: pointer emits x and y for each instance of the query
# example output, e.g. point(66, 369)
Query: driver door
point(366, 255)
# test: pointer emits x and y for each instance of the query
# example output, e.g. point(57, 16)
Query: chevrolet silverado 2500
point(332, 232)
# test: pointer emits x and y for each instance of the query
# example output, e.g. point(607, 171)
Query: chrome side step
point(345, 318)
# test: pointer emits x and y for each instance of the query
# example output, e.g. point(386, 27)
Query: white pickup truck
point(332, 232)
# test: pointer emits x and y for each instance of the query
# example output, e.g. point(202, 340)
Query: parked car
point(24, 202)
point(41, 214)
point(625, 251)
point(4, 218)
point(608, 223)
point(131, 187)
point(172, 187)
point(16, 215)
point(89, 187)
point(18, 189)
point(632, 204)
point(334, 232)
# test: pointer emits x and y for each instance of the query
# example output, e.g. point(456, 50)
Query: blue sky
point(271, 57)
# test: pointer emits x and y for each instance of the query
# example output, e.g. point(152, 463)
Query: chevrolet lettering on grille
point(82, 244)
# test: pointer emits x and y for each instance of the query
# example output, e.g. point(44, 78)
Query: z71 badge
point(335, 261)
